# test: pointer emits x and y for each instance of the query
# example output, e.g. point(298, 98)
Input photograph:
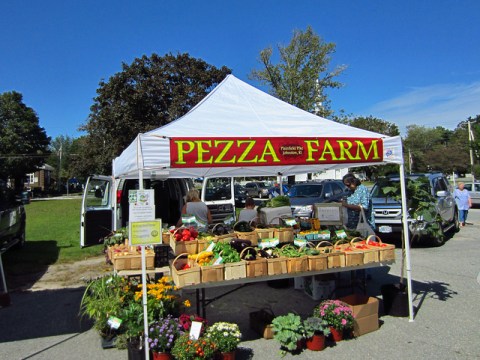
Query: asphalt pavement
point(446, 289)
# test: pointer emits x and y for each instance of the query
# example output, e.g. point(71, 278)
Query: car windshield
point(381, 187)
point(305, 191)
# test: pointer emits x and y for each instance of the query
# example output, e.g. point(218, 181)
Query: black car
point(240, 195)
point(12, 219)
point(304, 195)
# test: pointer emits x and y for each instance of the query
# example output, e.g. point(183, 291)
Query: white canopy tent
point(238, 130)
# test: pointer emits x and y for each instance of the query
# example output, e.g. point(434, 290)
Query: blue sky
point(408, 62)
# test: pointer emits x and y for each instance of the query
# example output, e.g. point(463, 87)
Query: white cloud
point(436, 105)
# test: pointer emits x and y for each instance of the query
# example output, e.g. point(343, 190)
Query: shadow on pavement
point(24, 267)
point(37, 314)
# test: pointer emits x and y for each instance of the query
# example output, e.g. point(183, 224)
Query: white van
point(105, 206)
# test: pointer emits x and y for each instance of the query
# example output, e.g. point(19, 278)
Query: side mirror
point(441, 193)
point(328, 195)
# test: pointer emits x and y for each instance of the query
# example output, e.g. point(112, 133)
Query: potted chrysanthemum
point(226, 337)
point(337, 314)
point(191, 349)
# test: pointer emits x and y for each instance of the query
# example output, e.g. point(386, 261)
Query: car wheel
point(21, 238)
point(456, 222)
point(438, 240)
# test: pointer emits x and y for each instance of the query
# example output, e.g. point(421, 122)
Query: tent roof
point(236, 109)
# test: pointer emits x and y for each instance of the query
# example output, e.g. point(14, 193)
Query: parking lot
point(45, 324)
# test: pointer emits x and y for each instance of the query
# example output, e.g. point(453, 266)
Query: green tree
point(62, 150)
point(301, 77)
point(380, 126)
point(371, 123)
point(23, 143)
point(149, 93)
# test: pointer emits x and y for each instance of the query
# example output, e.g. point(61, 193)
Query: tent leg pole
point(406, 241)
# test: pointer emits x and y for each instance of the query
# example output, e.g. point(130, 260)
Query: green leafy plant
point(103, 297)
point(288, 330)
point(421, 205)
point(225, 336)
point(336, 313)
point(316, 326)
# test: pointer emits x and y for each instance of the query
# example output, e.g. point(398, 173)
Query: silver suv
point(388, 211)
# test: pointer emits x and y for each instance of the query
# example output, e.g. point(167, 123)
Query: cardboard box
point(319, 287)
point(365, 325)
point(365, 310)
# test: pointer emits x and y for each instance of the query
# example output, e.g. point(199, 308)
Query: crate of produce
point(265, 233)
point(277, 266)
point(353, 257)
point(133, 261)
point(317, 262)
point(284, 234)
point(183, 274)
point(371, 254)
point(335, 258)
point(386, 251)
point(212, 273)
point(236, 270)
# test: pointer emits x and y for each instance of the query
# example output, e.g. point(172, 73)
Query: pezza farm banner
point(262, 151)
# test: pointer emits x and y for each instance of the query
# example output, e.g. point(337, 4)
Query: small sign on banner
point(146, 232)
point(268, 243)
point(114, 322)
point(300, 242)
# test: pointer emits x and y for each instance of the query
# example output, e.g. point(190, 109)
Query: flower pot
point(227, 355)
point(337, 335)
point(316, 343)
point(162, 356)
point(135, 352)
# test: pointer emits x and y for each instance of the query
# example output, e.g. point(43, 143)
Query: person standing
point(194, 206)
point(464, 202)
point(358, 199)
point(249, 213)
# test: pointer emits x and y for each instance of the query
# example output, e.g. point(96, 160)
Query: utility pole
point(470, 139)
point(59, 184)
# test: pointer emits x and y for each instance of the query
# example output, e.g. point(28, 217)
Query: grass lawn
point(53, 236)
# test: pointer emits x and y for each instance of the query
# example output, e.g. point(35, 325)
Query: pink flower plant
point(336, 313)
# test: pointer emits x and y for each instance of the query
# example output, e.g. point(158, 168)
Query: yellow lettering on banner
point(366, 154)
point(328, 149)
point(201, 150)
point(345, 146)
point(270, 151)
point(181, 150)
point(310, 149)
point(228, 145)
point(250, 145)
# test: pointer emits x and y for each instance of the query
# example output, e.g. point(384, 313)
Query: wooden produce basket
point(370, 254)
point(277, 266)
point(264, 233)
point(212, 273)
point(236, 270)
point(317, 262)
point(256, 267)
point(166, 236)
point(335, 258)
point(353, 257)
point(186, 277)
point(251, 236)
point(133, 261)
point(386, 251)
point(284, 234)
point(297, 264)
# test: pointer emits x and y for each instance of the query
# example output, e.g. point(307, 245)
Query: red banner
point(228, 152)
